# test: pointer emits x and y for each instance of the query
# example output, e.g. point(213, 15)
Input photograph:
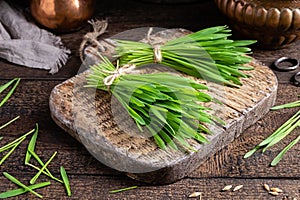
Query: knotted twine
point(156, 47)
point(125, 69)
point(23, 43)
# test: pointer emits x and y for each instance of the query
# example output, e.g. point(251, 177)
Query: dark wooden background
point(92, 180)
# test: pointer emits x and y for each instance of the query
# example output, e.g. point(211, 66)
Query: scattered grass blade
point(10, 92)
point(17, 182)
point(11, 151)
point(281, 154)
point(11, 144)
point(16, 192)
point(65, 180)
point(284, 130)
point(288, 105)
point(251, 152)
point(46, 171)
point(32, 181)
point(31, 144)
point(122, 190)
point(6, 85)
point(8, 123)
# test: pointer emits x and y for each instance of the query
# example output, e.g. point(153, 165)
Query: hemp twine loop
point(156, 47)
point(109, 80)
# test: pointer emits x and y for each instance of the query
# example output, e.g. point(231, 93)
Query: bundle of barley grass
point(165, 105)
point(207, 54)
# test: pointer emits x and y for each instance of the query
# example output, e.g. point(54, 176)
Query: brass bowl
point(273, 23)
point(62, 15)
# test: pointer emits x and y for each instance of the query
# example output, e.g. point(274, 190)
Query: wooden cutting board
point(101, 125)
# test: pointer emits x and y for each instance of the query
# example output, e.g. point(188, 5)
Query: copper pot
point(273, 23)
point(62, 15)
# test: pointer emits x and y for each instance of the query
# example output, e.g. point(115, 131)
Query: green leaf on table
point(65, 180)
point(284, 130)
point(16, 192)
point(282, 153)
point(31, 144)
point(6, 85)
point(46, 171)
point(11, 144)
point(11, 151)
point(11, 91)
point(288, 105)
point(8, 123)
point(32, 181)
point(17, 182)
point(123, 189)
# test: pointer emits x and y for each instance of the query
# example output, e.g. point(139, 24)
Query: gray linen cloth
point(23, 43)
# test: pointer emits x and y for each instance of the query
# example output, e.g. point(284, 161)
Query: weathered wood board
point(101, 125)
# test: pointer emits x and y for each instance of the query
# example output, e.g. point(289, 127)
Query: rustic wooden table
point(92, 180)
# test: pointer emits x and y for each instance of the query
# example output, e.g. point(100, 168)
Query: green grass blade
point(8, 123)
point(282, 153)
point(32, 181)
point(17, 182)
point(251, 152)
point(11, 151)
point(65, 180)
point(9, 93)
point(123, 189)
point(159, 141)
point(31, 144)
point(282, 135)
point(45, 172)
point(281, 129)
point(37, 158)
point(11, 144)
point(6, 85)
point(16, 192)
point(288, 105)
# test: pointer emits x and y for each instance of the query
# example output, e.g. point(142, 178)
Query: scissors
point(292, 64)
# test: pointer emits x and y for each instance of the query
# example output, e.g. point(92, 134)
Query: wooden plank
point(92, 122)
point(98, 187)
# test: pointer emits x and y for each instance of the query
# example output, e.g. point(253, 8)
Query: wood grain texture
point(91, 189)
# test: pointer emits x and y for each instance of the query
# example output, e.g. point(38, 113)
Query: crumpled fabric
point(24, 43)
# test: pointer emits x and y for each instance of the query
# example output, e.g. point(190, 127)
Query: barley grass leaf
point(284, 130)
point(16, 192)
point(9, 122)
point(282, 153)
point(37, 158)
point(288, 105)
point(11, 151)
point(123, 189)
point(17, 182)
point(11, 144)
point(31, 144)
point(65, 180)
point(32, 181)
point(10, 92)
